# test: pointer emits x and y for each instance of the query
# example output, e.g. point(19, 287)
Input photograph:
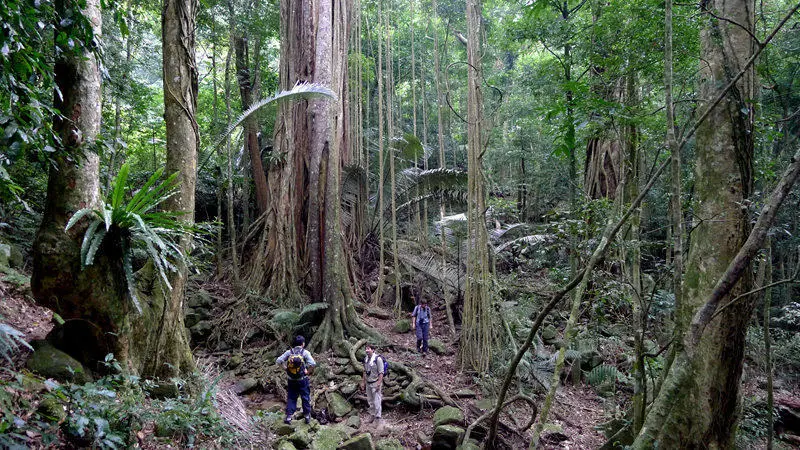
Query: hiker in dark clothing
point(299, 365)
point(421, 324)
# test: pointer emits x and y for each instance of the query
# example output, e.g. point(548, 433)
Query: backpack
point(385, 364)
point(423, 314)
point(295, 365)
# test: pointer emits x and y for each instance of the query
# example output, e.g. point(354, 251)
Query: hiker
point(374, 370)
point(299, 365)
point(421, 324)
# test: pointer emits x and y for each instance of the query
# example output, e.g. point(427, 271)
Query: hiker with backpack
point(299, 365)
point(421, 324)
point(375, 367)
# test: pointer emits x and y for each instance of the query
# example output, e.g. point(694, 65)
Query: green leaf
point(96, 241)
point(119, 187)
point(77, 216)
point(87, 239)
point(127, 267)
point(107, 215)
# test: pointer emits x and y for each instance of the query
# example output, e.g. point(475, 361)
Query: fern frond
point(81, 213)
point(97, 240)
point(119, 187)
point(141, 193)
point(602, 374)
point(127, 267)
point(87, 239)
point(107, 215)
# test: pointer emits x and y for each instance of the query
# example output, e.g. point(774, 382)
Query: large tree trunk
point(705, 411)
point(94, 301)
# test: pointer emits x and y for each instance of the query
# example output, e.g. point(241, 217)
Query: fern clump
point(136, 223)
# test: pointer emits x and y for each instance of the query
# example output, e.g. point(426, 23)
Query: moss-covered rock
point(52, 410)
point(360, 442)
point(312, 314)
point(446, 437)
point(448, 415)
point(164, 389)
point(201, 330)
point(328, 438)
point(283, 429)
point(471, 445)
point(5, 256)
point(284, 445)
point(338, 406)
point(549, 334)
point(437, 346)
point(51, 362)
point(402, 326)
point(354, 421)
point(245, 385)
point(200, 299)
point(388, 444)
point(301, 438)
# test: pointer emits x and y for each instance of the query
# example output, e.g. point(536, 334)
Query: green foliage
point(604, 373)
point(136, 222)
point(11, 340)
point(105, 414)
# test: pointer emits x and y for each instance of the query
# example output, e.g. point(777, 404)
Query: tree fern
point(132, 224)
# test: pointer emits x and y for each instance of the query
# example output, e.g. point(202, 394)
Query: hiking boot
point(287, 420)
point(370, 419)
point(307, 419)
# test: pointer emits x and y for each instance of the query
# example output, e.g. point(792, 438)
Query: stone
point(5, 256)
point(590, 359)
point(423, 438)
point(244, 386)
point(201, 330)
point(338, 406)
point(549, 334)
point(312, 314)
point(200, 299)
point(471, 445)
point(284, 445)
point(389, 444)
point(353, 421)
point(301, 438)
point(52, 410)
point(328, 438)
point(348, 388)
point(190, 318)
point(283, 429)
point(164, 389)
point(402, 326)
point(437, 346)
point(360, 442)
point(446, 437)
point(465, 393)
point(51, 362)
point(16, 260)
point(448, 415)
point(342, 361)
point(235, 361)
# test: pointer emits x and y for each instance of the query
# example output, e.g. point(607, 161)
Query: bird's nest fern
point(136, 222)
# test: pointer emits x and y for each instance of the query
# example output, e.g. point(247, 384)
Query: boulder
point(16, 260)
point(354, 421)
point(437, 346)
point(446, 437)
point(52, 410)
point(590, 359)
point(50, 362)
point(471, 445)
point(164, 389)
point(245, 385)
point(235, 361)
point(5, 256)
point(190, 318)
point(402, 326)
point(283, 429)
point(348, 388)
point(549, 334)
point(200, 299)
point(201, 330)
point(360, 442)
point(388, 444)
point(301, 438)
point(284, 445)
point(328, 438)
point(448, 415)
point(338, 406)
point(312, 314)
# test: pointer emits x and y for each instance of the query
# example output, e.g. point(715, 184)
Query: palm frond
point(299, 91)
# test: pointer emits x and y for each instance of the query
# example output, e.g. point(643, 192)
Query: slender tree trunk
point(381, 208)
point(229, 185)
point(477, 330)
point(768, 346)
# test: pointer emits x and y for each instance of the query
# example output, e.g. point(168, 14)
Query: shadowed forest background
point(597, 199)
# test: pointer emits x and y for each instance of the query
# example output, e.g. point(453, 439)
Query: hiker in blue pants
point(299, 365)
point(421, 324)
